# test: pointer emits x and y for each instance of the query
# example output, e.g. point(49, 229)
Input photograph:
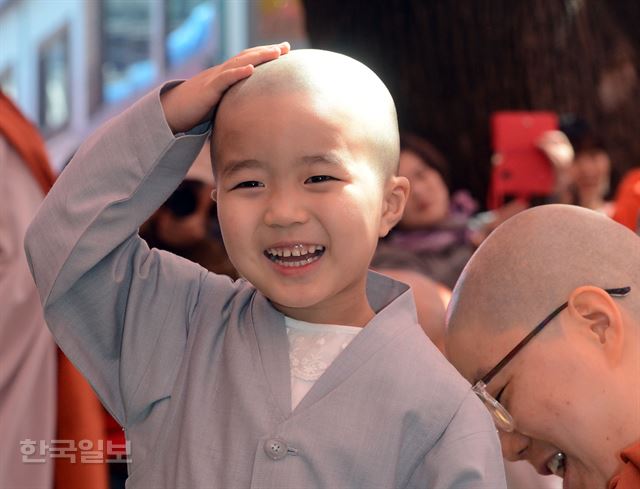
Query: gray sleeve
point(118, 310)
point(467, 455)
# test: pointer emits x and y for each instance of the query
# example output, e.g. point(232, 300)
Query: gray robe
point(195, 366)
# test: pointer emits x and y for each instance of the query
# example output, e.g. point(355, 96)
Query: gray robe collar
point(395, 309)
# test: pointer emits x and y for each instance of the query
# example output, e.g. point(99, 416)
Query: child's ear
point(214, 193)
point(599, 319)
point(396, 193)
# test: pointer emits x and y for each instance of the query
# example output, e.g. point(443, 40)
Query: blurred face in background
point(428, 202)
point(591, 171)
point(184, 220)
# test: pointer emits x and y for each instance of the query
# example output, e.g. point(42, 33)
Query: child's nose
point(284, 208)
point(514, 445)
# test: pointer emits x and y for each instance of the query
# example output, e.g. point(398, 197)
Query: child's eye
point(248, 184)
point(499, 394)
point(319, 179)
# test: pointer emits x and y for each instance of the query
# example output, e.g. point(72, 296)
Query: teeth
point(296, 250)
point(556, 464)
point(299, 263)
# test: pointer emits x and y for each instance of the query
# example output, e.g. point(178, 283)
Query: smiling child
point(308, 372)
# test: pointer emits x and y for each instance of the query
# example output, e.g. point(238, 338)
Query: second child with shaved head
point(308, 372)
point(545, 323)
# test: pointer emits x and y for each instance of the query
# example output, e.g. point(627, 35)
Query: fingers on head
point(282, 47)
point(242, 65)
point(260, 54)
point(232, 75)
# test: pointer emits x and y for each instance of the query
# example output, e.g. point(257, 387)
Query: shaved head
point(531, 264)
point(572, 391)
point(330, 80)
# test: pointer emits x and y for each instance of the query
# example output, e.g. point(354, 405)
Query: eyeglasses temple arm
point(619, 292)
point(487, 378)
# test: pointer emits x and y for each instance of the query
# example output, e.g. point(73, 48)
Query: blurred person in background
point(589, 184)
point(27, 350)
point(42, 396)
point(433, 231)
point(186, 224)
point(438, 233)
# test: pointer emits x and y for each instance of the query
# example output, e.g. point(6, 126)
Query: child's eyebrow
point(323, 158)
point(236, 166)
point(239, 165)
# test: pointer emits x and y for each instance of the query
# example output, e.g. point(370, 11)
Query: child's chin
point(290, 305)
point(297, 303)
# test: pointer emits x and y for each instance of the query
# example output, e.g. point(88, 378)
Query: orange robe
point(627, 207)
point(79, 414)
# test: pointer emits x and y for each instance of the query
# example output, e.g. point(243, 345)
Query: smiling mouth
point(297, 255)
point(556, 464)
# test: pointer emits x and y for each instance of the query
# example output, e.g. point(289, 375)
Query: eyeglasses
point(501, 416)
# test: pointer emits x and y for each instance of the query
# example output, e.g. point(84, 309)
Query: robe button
point(275, 449)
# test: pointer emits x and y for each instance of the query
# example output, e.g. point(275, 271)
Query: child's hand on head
point(191, 103)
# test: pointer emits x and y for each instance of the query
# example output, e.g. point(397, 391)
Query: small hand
point(192, 102)
point(558, 149)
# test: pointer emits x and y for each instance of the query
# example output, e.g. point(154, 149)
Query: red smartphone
point(521, 170)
